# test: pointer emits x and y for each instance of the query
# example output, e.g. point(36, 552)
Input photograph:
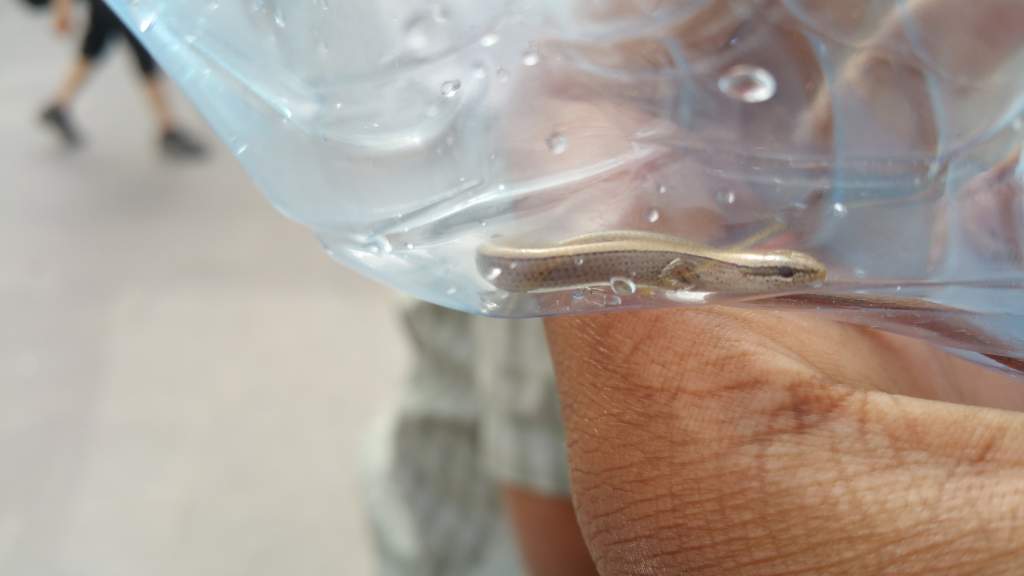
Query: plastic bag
point(537, 157)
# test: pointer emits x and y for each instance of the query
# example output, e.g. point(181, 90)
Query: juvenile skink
point(646, 259)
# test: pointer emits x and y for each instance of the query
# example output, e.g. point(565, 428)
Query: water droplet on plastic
point(451, 290)
point(727, 197)
point(579, 260)
point(488, 40)
point(450, 88)
point(146, 22)
point(662, 189)
point(747, 83)
point(623, 286)
point(502, 75)
point(190, 38)
point(483, 223)
point(859, 272)
point(383, 244)
point(410, 246)
point(653, 215)
point(279, 18)
point(211, 6)
point(323, 4)
point(531, 57)
point(493, 274)
point(556, 142)
point(839, 208)
point(241, 149)
point(479, 72)
point(339, 105)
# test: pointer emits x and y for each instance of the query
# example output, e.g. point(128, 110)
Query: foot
point(56, 117)
point(179, 144)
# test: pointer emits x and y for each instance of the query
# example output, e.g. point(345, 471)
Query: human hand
point(725, 441)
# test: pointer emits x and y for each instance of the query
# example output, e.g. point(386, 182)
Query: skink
point(647, 259)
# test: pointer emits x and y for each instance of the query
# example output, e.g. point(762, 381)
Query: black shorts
point(104, 25)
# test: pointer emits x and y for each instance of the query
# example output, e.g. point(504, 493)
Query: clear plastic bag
point(538, 157)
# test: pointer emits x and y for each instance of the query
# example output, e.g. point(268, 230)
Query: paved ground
point(185, 378)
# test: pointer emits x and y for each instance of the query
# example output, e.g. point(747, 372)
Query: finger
point(702, 443)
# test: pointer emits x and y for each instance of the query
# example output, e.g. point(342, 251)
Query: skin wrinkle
point(781, 526)
point(838, 544)
point(724, 546)
point(949, 546)
point(664, 526)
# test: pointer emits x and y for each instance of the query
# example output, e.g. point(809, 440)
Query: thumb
point(706, 442)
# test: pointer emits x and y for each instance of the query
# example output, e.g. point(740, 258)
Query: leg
point(158, 101)
point(55, 115)
point(73, 82)
point(175, 142)
point(154, 83)
point(101, 24)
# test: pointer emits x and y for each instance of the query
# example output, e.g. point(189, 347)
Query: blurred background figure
point(104, 26)
point(469, 477)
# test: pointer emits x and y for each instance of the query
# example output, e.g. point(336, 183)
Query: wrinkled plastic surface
point(880, 137)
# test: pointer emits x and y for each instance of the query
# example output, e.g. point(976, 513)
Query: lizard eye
point(786, 272)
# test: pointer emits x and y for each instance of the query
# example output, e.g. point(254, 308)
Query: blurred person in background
point(104, 26)
point(470, 476)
